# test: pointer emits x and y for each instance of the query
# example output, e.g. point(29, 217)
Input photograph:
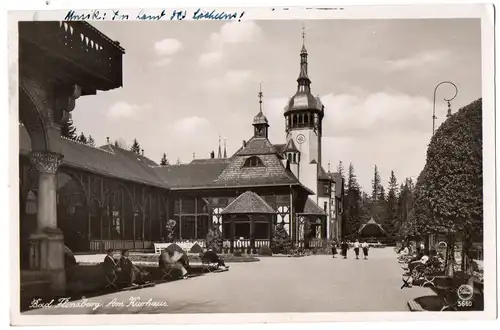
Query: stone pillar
point(47, 243)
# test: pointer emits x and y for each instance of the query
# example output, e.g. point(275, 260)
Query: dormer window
point(253, 161)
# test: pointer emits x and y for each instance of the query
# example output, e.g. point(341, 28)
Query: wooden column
point(252, 233)
point(231, 234)
point(270, 228)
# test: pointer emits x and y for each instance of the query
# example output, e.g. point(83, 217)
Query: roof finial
point(194, 156)
point(219, 154)
point(329, 164)
point(260, 97)
point(303, 34)
point(225, 152)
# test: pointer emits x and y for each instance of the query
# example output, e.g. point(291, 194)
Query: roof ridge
point(84, 144)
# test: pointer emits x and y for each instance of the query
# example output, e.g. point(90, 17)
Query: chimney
point(212, 154)
point(244, 144)
point(107, 139)
point(142, 152)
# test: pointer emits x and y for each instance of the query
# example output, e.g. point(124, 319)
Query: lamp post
point(446, 99)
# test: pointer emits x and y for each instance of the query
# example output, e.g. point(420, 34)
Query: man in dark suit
point(111, 268)
point(110, 265)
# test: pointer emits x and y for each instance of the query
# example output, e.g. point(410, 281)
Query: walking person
point(356, 248)
point(344, 247)
point(365, 246)
point(334, 248)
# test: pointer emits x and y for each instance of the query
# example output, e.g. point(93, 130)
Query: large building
point(108, 197)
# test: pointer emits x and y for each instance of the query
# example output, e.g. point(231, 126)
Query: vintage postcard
point(263, 164)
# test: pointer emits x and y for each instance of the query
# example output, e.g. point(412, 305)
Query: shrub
point(265, 251)
point(214, 239)
point(237, 253)
point(281, 242)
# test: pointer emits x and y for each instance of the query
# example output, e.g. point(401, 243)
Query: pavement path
point(273, 285)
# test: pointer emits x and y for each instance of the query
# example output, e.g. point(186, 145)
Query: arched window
point(306, 118)
point(290, 157)
point(253, 161)
point(294, 121)
point(31, 203)
point(295, 158)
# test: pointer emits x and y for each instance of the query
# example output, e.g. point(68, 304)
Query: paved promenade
point(275, 284)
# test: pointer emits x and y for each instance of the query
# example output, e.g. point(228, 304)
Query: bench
point(415, 306)
point(159, 247)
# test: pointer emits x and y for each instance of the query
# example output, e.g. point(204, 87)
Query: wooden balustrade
point(91, 54)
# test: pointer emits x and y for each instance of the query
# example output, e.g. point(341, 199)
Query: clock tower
point(303, 123)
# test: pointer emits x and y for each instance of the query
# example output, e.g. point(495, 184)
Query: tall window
point(325, 189)
point(193, 217)
point(253, 161)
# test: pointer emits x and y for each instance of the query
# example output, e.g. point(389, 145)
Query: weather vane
point(260, 96)
point(303, 33)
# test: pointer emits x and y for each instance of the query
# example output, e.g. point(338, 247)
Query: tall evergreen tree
point(136, 147)
point(91, 141)
point(341, 171)
point(82, 138)
point(164, 160)
point(391, 222)
point(375, 185)
point(352, 205)
point(68, 129)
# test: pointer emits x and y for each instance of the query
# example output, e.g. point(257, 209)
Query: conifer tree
point(375, 185)
point(68, 130)
point(91, 141)
point(82, 138)
point(164, 160)
point(136, 147)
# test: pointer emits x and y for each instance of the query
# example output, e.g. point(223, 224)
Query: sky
point(185, 83)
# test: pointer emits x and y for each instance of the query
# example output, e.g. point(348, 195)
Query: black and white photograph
point(207, 161)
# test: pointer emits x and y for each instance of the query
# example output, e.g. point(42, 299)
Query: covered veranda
point(312, 225)
point(247, 223)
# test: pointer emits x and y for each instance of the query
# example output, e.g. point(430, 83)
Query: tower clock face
point(301, 138)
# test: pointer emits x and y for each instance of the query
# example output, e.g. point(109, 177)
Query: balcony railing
point(91, 54)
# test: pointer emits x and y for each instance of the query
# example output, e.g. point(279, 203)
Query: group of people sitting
point(420, 261)
point(344, 247)
point(125, 272)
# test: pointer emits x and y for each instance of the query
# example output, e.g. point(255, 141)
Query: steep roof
point(248, 203)
point(290, 146)
point(272, 173)
point(195, 174)
point(280, 148)
point(371, 222)
point(109, 160)
point(210, 161)
point(322, 175)
point(339, 184)
point(257, 146)
point(311, 208)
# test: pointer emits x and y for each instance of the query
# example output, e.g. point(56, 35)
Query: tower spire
point(225, 151)
point(219, 154)
point(304, 83)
